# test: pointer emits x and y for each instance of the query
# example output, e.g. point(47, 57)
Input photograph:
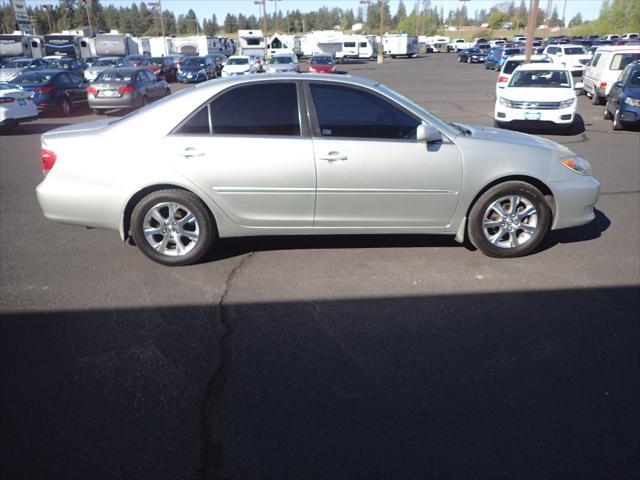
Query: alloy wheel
point(171, 229)
point(510, 221)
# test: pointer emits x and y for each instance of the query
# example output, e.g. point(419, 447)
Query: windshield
point(194, 62)
point(540, 79)
point(511, 65)
point(280, 60)
point(474, 50)
point(574, 51)
point(32, 78)
point(621, 60)
point(115, 76)
point(105, 62)
point(17, 64)
point(634, 78)
point(321, 60)
point(238, 61)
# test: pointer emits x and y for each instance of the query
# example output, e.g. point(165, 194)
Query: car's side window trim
point(315, 124)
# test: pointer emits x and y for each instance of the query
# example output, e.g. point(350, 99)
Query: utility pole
point(275, 15)
point(548, 14)
point(564, 10)
point(264, 24)
point(87, 7)
point(365, 7)
point(531, 28)
point(381, 49)
point(46, 10)
point(462, 10)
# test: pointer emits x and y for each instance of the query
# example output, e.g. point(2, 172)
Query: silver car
point(282, 63)
point(322, 155)
point(104, 63)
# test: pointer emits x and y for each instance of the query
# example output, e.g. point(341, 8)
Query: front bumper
point(188, 77)
point(128, 100)
point(574, 200)
point(561, 116)
point(629, 114)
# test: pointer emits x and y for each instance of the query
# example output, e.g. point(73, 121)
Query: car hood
point(480, 132)
point(538, 94)
point(633, 92)
point(235, 68)
point(190, 69)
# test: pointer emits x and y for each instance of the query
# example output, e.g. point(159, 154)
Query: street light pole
point(531, 29)
point(264, 23)
point(275, 15)
point(46, 9)
point(461, 15)
point(381, 49)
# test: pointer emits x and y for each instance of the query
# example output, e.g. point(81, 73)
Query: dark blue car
point(493, 58)
point(54, 90)
point(623, 102)
point(196, 69)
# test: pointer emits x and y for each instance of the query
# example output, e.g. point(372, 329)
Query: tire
point(617, 123)
point(606, 114)
point(459, 59)
point(469, 60)
point(595, 99)
point(172, 245)
point(490, 220)
point(65, 107)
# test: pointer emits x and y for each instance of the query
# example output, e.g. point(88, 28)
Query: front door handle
point(191, 152)
point(334, 157)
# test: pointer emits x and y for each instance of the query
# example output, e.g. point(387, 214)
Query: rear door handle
point(334, 157)
point(191, 152)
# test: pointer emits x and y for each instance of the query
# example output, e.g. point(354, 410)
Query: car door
point(251, 153)
point(371, 171)
point(77, 88)
point(151, 83)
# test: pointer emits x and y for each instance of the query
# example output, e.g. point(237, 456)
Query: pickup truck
point(458, 44)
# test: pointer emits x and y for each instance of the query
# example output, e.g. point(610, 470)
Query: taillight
point(502, 79)
point(126, 89)
point(48, 160)
point(603, 85)
point(7, 100)
point(92, 89)
point(45, 89)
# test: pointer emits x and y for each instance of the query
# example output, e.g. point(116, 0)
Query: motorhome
point(19, 44)
point(251, 42)
point(400, 45)
point(116, 44)
point(437, 44)
point(356, 47)
point(67, 44)
point(279, 43)
point(328, 42)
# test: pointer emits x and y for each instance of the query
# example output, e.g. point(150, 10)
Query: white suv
point(573, 57)
point(510, 65)
point(605, 68)
point(539, 93)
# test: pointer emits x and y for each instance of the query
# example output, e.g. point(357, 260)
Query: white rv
point(115, 44)
point(399, 44)
point(356, 46)
point(437, 44)
point(279, 43)
point(328, 42)
point(251, 42)
point(18, 44)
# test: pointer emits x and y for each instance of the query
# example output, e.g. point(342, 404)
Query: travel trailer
point(116, 44)
point(437, 44)
point(399, 45)
point(202, 45)
point(19, 44)
point(322, 41)
point(250, 42)
point(279, 43)
point(356, 46)
point(67, 44)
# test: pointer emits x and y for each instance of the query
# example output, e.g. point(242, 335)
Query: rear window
point(621, 60)
point(33, 78)
point(574, 51)
point(238, 61)
point(111, 76)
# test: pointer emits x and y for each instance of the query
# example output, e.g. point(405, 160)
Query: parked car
point(105, 63)
point(18, 65)
point(485, 47)
point(538, 93)
point(283, 62)
point(321, 64)
point(605, 68)
point(54, 90)
point(258, 62)
point(125, 87)
point(492, 61)
point(574, 57)
point(354, 157)
point(15, 107)
point(472, 55)
point(218, 60)
point(511, 64)
point(137, 60)
point(163, 67)
point(238, 65)
point(196, 69)
point(69, 64)
point(623, 103)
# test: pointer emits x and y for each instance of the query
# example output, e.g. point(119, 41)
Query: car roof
point(239, 56)
point(540, 66)
point(569, 45)
point(523, 57)
point(351, 80)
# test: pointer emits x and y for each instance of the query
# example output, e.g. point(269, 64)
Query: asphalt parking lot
point(391, 357)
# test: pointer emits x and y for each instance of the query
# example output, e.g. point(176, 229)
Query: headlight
point(634, 102)
point(567, 103)
point(504, 101)
point(577, 164)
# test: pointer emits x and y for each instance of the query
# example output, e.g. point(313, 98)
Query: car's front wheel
point(509, 220)
point(65, 107)
point(617, 123)
point(606, 114)
point(173, 227)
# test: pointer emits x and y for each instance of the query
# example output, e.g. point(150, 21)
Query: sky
point(206, 8)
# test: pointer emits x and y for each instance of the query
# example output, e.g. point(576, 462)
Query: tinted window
point(75, 78)
point(198, 124)
point(596, 59)
point(351, 112)
point(261, 109)
point(621, 60)
point(63, 80)
point(634, 78)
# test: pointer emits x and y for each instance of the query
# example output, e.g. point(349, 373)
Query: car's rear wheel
point(617, 123)
point(509, 220)
point(65, 107)
point(595, 99)
point(172, 227)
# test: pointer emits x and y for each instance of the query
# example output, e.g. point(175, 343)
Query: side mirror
point(427, 133)
point(618, 84)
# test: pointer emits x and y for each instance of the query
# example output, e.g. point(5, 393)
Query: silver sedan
point(334, 155)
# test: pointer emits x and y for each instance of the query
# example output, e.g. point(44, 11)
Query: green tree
point(576, 20)
point(496, 19)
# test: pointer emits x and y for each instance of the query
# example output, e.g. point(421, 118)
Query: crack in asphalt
point(211, 414)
